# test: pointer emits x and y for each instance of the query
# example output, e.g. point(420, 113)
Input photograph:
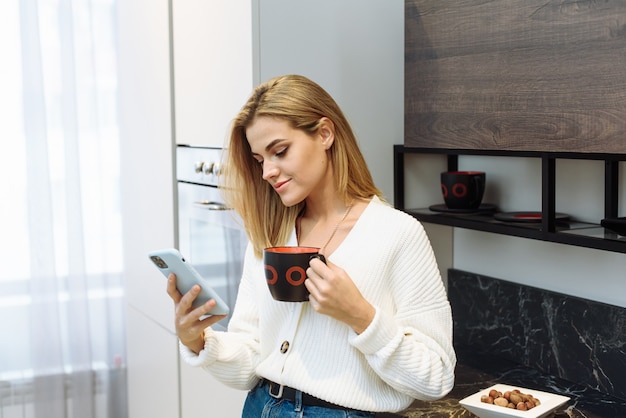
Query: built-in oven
point(210, 235)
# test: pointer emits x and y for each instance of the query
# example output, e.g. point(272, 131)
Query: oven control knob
point(207, 169)
point(217, 169)
point(198, 166)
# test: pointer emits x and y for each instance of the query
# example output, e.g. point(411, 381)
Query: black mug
point(285, 271)
point(463, 189)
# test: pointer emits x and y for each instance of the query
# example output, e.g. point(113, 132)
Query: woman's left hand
point(333, 293)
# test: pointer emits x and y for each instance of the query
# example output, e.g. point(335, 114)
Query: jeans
point(259, 404)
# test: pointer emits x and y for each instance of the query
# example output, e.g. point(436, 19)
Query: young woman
point(377, 330)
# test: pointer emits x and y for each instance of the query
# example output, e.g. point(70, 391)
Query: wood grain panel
point(516, 75)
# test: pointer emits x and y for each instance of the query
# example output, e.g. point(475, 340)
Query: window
point(60, 221)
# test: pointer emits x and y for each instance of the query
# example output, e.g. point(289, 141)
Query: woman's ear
point(327, 132)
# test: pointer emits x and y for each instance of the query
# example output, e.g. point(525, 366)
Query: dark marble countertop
point(476, 371)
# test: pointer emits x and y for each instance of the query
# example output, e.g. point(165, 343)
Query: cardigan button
point(284, 347)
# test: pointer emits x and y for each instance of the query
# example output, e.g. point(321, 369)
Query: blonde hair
point(302, 103)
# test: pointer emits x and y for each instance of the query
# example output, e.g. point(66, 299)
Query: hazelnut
point(515, 398)
point(500, 401)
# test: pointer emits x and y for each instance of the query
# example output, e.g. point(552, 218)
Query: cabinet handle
point(210, 205)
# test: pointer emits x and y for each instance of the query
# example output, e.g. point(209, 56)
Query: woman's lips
point(280, 185)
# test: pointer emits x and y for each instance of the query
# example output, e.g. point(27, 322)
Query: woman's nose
point(269, 170)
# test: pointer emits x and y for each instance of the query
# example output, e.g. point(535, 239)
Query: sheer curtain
point(62, 341)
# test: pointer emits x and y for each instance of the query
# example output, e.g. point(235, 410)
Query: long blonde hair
point(302, 103)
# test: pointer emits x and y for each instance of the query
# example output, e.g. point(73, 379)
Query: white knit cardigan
point(406, 353)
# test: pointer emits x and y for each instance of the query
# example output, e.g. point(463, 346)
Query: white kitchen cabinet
point(203, 396)
point(152, 353)
point(147, 184)
point(212, 67)
point(147, 189)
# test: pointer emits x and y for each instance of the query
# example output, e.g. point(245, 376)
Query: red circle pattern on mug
point(458, 190)
point(285, 271)
point(274, 277)
point(291, 271)
point(288, 275)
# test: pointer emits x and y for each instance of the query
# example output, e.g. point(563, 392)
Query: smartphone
point(171, 261)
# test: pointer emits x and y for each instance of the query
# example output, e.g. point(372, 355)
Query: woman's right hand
point(189, 327)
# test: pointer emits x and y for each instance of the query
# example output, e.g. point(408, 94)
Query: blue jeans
point(259, 404)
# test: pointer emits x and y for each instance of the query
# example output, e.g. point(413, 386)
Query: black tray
point(483, 208)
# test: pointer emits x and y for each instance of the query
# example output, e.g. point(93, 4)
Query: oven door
point(212, 238)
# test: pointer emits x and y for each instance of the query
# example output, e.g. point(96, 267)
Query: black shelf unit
point(549, 229)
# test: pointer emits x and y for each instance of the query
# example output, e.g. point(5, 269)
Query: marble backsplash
point(572, 338)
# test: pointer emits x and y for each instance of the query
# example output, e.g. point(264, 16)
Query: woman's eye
point(281, 152)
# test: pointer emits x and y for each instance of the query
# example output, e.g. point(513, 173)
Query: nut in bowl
point(543, 403)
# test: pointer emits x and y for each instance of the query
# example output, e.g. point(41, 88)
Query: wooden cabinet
point(583, 234)
point(517, 75)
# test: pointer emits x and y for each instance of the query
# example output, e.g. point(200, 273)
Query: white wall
point(355, 50)
point(586, 273)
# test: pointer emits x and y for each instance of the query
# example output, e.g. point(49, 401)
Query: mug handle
point(479, 184)
point(319, 257)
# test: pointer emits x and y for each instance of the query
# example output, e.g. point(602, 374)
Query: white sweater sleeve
point(412, 350)
point(232, 357)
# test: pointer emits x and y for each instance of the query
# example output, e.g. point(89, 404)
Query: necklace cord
point(343, 218)
point(332, 235)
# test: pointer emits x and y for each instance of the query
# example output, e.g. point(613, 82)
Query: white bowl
point(549, 402)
